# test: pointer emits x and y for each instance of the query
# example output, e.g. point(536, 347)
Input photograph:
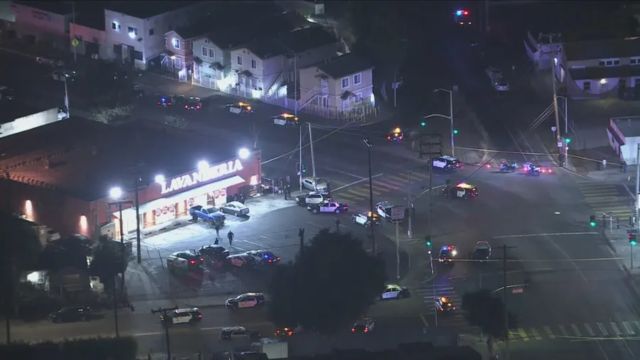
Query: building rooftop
point(628, 125)
point(57, 7)
point(147, 9)
point(344, 65)
point(11, 110)
point(267, 47)
point(91, 13)
point(84, 158)
point(602, 49)
point(307, 38)
point(597, 73)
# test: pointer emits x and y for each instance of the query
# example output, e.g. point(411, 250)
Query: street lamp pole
point(66, 98)
point(137, 204)
point(450, 117)
point(371, 222)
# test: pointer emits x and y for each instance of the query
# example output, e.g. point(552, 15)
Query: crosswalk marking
point(549, 332)
point(627, 328)
point(523, 334)
point(615, 328)
point(535, 334)
point(606, 198)
point(395, 183)
point(636, 323)
point(603, 329)
point(576, 330)
point(589, 330)
point(562, 330)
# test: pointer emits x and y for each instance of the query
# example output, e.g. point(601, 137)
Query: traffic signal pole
point(637, 209)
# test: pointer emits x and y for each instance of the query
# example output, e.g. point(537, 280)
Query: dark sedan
point(71, 314)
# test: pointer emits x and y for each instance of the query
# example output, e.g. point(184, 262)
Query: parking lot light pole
point(450, 117)
point(371, 222)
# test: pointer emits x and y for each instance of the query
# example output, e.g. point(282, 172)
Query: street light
point(203, 165)
point(450, 117)
point(160, 179)
point(115, 193)
point(371, 222)
point(244, 153)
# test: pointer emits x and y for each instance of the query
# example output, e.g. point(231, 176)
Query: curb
point(629, 280)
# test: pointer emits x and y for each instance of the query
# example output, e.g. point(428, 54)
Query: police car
point(393, 291)
point(286, 119)
point(461, 191)
point(383, 209)
point(182, 316)
point(246, 300)
point(444, 305)
point(447, 253)
point(365, 219)
point(329, 207)
point(239, 107)
point(446, 163)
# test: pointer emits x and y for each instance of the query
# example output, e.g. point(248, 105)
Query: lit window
point(28, 210)
point(133, 32)
point(83, 225)
point(345, 82)
point(115, 26)
point(253, 64)
point(356, 79)
point(239, 60)
point(175, 43)
point(204, 51)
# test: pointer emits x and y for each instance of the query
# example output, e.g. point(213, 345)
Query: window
point(609, 62)
point(356, 79)
point(345, 82)
point(586, 86)
point(115, 26)
point(175, 43)
point(211, 53)
point(358, 98)
point(151, 32)
point(204, 51)
point(133, 32)
point(137, 55)
point(636, 82)
point(253, 64)
point(635, 61)
point(239, 60)
point(177, 63)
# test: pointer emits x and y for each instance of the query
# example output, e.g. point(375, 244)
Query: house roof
point(629, 126)
point(307, 38)
point(267, 47)
point(344, 65)
point(83, 158)
point(603, 72)
point(57, 7)
point(144, 9)
point(601, 49)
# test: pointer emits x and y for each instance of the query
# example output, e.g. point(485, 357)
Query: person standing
point(217, 231)
point(230, 237)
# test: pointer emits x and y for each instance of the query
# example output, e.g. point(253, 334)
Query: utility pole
point(115, 305)
point(120, 221)
point(397, 249)
point(165, 325)
point(453, 147)
point(504, 300)
point(137, 204)
point(66, 98)
point(410, 211)
point(301, 236)
point(555, 105)
point(73, 19)
point(637, 209)
point(371, 222)
point(8, 306)
point(313, 161)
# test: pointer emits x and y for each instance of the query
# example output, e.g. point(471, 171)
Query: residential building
point(543, 48)
point(624, 137)
point(135, 31)
point(338, 88)
point(42, 22)
point(590, 69)
point(178, 55)
point(256, 67)
point(212, 59)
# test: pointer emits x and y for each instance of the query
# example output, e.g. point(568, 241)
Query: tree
point(108, 261)
point(330, 284)
point(71, 251)
point(484, 310)
point(20, 249)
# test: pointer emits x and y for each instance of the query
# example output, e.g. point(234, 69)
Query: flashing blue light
point(445, 248)
point(458, 12)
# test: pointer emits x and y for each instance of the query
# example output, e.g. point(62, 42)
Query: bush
point(124, 348)
point(33, 303)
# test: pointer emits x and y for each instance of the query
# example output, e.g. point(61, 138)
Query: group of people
point(230, 236)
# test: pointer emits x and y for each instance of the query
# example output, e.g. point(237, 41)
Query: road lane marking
point(424, 320)
point(549, 332)
point(627, 328)
point(603, 329)
point(147, 333)
point(357, 181)
point(576, 330)
point(535, 333)
point(523, 334)
point(615, 328)
point(546, 234)
point(589, 329)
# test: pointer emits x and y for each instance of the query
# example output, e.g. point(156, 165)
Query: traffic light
point(427, 242)
point(592, 221)
point(423, 123)
point(633, 238)
point(455, 132)
point(567, 140)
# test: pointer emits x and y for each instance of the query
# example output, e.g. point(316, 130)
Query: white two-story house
point(589, 69)
point(135, 31)
point(337, 88)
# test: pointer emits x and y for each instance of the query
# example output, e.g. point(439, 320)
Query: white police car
point(182, 316)
point(246, 300)
point(393, 291)
point(446, 163)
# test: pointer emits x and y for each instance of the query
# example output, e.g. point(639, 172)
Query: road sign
point(554, 129)
point(75, 42)
point(397, 213)
point(560, 144)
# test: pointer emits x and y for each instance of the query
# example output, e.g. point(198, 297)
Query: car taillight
point(353, 330)
point(199, 316)
point(366, 330)
point(192, 262)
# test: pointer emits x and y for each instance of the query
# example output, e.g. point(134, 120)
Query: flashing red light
point(192, 262)
point(366, 330)
point(488, 166)
point(465, 13)
point(353, 330)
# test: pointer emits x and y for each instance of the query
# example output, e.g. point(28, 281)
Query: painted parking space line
point(627, 328)
point(424, 320)
point(550, 333)
point(615, 328)
point(603, 329)
point(589, 329)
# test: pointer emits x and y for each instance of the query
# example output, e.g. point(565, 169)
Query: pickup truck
point(211, 215)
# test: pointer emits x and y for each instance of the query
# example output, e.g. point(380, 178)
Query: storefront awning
point(235, 180)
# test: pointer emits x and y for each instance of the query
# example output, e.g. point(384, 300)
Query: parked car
point(184, 261)
point(210, 214)
point(286, 119)
point(238, 332)
point(383, 209)
point(329, 207)
point(71, 314)
point(263, 257)
point(215, 256)
point(192, 103)
point(241, 260)
point(120, 75)
point(312, 198)
point(182, 316)
point(239, 107)
point(165, 101)
point(482, 251)
point(64, 75)
point(246, 300)
point(315, 184)
point(49, 61)
point(393, 291)
point(235, 208)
